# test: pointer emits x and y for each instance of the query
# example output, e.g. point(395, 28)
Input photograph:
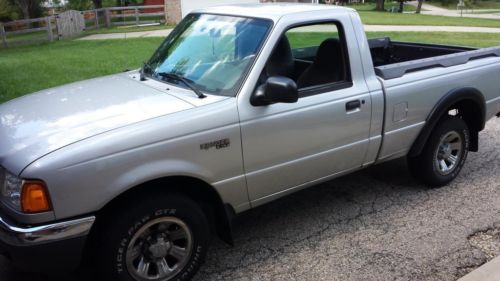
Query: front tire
point(444, 153)
point(157, 238)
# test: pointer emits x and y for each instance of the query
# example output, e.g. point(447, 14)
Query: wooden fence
point(131, 15)
point(39, 25)
point(33, 29)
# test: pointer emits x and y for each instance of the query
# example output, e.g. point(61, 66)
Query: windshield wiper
point(186, 81)
point(143, 71)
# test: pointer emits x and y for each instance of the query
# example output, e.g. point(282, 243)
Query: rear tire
point(163, 237)
point(444, 153)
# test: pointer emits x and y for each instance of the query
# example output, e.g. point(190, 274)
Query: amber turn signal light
point(34, 197)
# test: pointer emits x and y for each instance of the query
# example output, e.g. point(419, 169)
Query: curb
point(489, 271)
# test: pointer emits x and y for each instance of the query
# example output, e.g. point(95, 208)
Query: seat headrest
point(281, 61)
point(329, 52)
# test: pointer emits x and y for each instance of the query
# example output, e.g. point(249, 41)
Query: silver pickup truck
point(239, 106)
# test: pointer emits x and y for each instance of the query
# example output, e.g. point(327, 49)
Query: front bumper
point(47, 248)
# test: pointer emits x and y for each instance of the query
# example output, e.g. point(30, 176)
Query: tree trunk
point(24, 6)
point(26, 13)
point(419, 6)
point(97, 4)
point(380, 5)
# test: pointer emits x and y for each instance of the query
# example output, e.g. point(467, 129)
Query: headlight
point(10, 189)
point(28, 196)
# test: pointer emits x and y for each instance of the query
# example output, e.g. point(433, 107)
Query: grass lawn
point(28, 38)
point(476, 5)
point(124, 29)
point(372, 17)
point(31, 68)
point(388, 6)
point(41, 36)
point(479, 40)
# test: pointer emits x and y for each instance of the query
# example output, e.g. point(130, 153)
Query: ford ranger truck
point(239, 106)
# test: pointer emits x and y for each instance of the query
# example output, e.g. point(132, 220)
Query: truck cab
point(239, 105)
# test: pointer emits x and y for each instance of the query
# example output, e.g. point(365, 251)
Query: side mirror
point(277, 89)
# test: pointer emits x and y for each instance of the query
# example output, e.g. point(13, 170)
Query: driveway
point(376, 224)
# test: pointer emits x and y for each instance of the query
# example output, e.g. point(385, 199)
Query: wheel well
point(466, 103)
point(219, 214)
point(470, 112)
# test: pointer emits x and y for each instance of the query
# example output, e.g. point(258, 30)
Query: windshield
point(214, 52)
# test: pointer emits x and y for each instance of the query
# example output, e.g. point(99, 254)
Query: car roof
point(273, 11)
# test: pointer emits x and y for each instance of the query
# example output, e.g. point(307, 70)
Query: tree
point(419, 6)
point(28, 8)
point(380, 5)
point(8, 12)
point(79, 5)
point(97, 4)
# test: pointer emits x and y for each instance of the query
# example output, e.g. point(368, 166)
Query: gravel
point(487, 241)
point(376, 224)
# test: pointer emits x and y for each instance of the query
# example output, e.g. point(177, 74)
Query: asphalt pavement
point(376, 224)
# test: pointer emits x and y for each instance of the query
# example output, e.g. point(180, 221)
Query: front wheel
point(444, 153)
point(157, 238)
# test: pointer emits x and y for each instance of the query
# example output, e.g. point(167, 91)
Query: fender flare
point(441, 108)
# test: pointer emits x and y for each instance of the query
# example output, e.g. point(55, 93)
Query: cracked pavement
point(376, 224)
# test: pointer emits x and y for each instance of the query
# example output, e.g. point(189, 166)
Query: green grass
point(31, 68)
point(496, 11)
point(124, 29)
point(28, 38)
point(41, 36)
point(388, 6)
point(479, 40)
point(477, 5)
point(384, 18)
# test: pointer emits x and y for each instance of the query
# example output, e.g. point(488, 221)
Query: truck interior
point(322, 61)
point(323, 65)
point(326, 62)
point(384, 51)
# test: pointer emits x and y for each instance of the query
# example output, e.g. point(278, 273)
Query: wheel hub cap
point(449, 153)
point(159, 250)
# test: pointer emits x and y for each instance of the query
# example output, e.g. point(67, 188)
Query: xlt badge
point(218, 144)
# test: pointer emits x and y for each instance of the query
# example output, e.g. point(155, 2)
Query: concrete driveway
point(376, 224)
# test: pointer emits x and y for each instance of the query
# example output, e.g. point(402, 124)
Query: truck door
point(326, 132)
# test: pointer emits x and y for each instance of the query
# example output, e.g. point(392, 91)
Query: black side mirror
point(275, 90)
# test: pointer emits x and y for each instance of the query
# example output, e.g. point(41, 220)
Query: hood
point(37, 124)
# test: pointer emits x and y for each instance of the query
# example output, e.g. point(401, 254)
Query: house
point(176, 9)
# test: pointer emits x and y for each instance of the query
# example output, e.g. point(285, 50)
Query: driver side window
point(314, 56)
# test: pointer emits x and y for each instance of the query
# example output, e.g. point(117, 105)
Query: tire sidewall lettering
point(193, 264)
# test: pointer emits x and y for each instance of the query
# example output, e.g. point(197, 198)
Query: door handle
point(352, 105)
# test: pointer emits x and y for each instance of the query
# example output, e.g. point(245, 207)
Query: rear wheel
point(444, 153)
point(158, 238)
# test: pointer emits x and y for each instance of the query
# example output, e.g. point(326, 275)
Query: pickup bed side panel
point(410, 99)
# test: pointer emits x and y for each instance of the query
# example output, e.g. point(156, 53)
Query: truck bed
point(395, 59)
